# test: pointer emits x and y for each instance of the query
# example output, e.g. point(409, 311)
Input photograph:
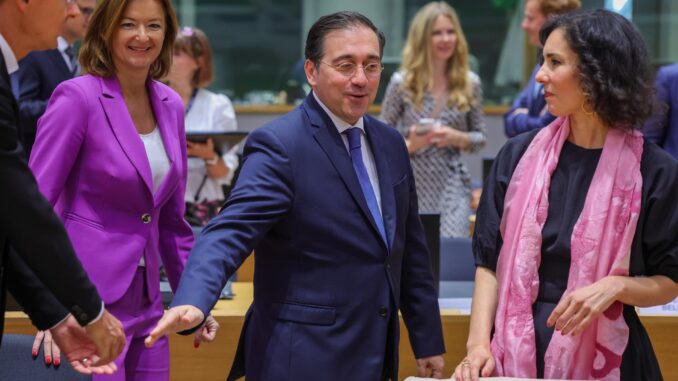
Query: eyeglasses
point(86, 11)
point(349, 69)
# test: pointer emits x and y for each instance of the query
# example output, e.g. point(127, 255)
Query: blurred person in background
point(110, 155)
point(529, 111)
point(436, 104)
point(662, 129)
point(208, 169)
point(577, 222)
point(41, 71)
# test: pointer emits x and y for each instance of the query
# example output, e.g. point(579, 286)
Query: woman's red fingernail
point(48, 360)
point(34, 354)
point(196, 345)
point(57, 362)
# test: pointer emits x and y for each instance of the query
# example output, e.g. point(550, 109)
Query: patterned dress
point(443, 181)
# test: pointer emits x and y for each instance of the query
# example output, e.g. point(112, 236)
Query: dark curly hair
point(614, 66)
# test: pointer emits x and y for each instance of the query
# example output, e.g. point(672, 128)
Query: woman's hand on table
point(478, 362)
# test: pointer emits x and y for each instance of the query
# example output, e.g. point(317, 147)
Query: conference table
point(211, 362)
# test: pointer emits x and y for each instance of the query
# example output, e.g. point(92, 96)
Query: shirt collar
point(339, 123)
point(8, 55)
point(62, 44)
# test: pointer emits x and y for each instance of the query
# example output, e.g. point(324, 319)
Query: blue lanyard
point(190, 101)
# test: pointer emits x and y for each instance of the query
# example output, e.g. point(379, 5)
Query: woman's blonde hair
point(417, 58)
point(95, 53)
point(194, 42)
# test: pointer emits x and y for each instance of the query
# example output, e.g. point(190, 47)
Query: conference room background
point(258, 44)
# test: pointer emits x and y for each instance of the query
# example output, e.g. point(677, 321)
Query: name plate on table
point(670, 309)
point(460, 305)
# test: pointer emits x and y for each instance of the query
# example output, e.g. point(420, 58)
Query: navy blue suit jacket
point(534, 102)
point(663, 128)
point(326, 287)
point(39, 74)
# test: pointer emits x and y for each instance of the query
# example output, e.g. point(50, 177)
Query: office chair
point(456, 260)
point(17, 364)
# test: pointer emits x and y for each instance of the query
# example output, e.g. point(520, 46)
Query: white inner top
point(158, 160)
point(157, 156)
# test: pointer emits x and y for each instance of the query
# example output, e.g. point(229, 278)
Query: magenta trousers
point(139, 315)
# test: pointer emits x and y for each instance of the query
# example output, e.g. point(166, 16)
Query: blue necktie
point(71, 58)
point(353, 135)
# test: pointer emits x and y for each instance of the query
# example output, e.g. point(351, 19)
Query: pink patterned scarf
point(601, 243)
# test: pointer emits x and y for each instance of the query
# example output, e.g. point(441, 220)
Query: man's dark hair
point(314, 50)
point(614, 66)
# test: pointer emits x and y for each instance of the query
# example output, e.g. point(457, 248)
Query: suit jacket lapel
point(328, 138)
point(385, 183)
point(58, 60)
point(4, 77)
point(166, 119)
point(122, 125)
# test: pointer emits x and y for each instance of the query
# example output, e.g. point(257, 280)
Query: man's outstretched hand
point(176, 319)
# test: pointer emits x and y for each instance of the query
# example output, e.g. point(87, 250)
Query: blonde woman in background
point(436, 103)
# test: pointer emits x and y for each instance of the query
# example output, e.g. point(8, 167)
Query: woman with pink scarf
point(578, 222)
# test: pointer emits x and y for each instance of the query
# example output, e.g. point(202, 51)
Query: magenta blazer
point(91, 164)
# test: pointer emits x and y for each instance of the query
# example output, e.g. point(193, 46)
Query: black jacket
point(37, 262)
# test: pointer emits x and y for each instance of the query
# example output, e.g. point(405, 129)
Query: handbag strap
point(197, 192)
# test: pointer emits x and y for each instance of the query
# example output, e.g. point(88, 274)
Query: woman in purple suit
point(110, 155)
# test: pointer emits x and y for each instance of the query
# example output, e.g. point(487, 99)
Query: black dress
point(654, 250)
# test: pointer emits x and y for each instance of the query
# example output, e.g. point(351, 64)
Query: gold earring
point(583, 108)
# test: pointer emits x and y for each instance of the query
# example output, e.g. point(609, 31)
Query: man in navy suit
point(529, 112)
point(40, 72)
point(326, 198)
point(663, 128)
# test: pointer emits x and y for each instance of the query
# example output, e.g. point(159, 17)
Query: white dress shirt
point(8, 55)
point(62, 45)
point(365, 148)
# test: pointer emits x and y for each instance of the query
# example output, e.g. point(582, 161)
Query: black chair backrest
point(17, 364)
point(456, 259)
point(431, 224)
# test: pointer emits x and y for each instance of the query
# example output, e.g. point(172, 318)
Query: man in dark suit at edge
point(41, 71)
point(326, 198)
point(43, 257)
